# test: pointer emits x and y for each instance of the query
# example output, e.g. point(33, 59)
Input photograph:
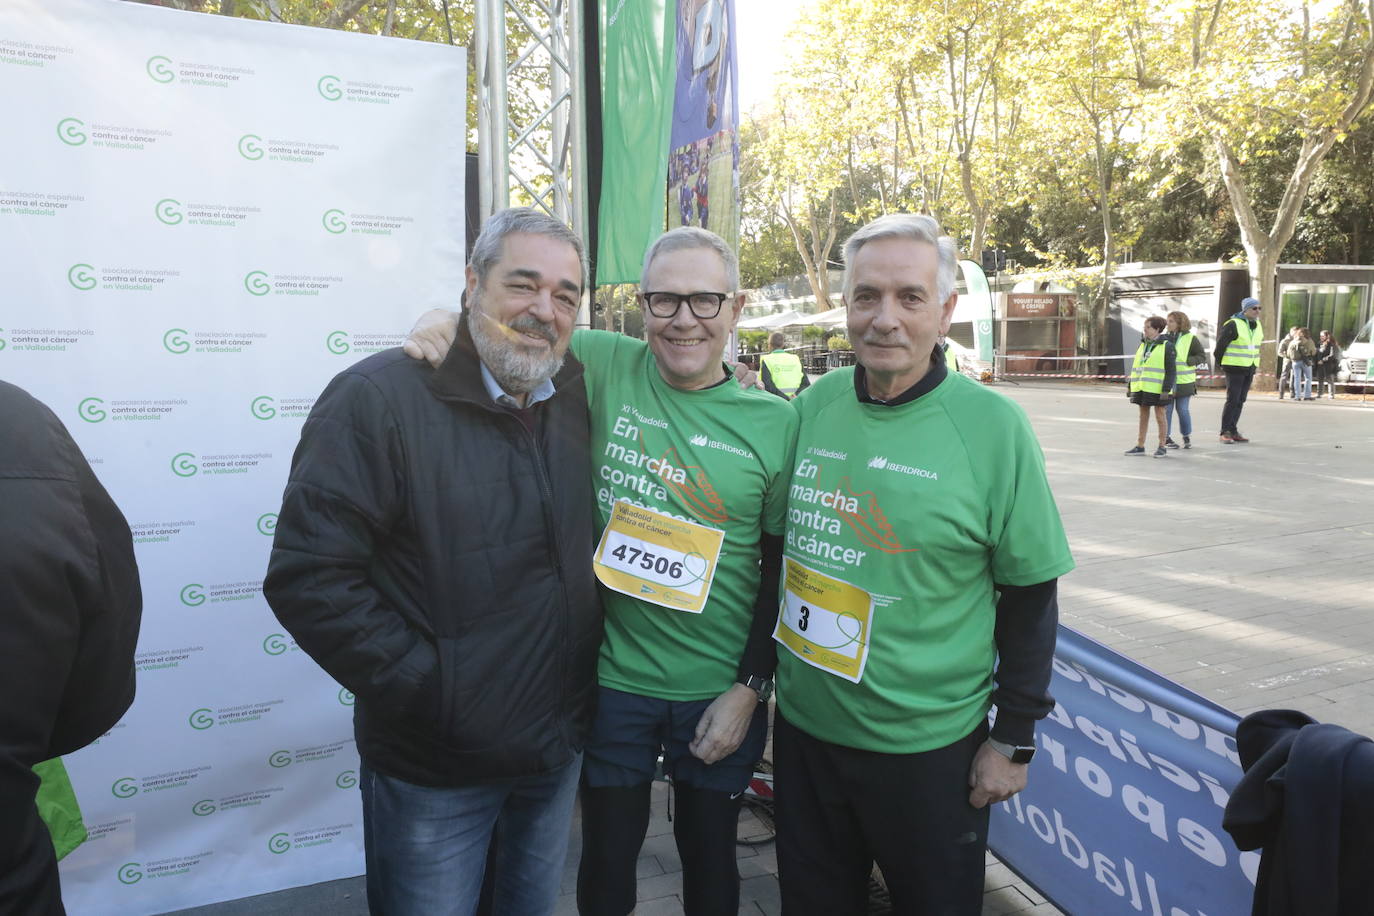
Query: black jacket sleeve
point(760, 652)
point(345, 492)
point(70, 608)
point(1025, 633)
point(766, 378)
point(1170, 366)
point(1197, 354)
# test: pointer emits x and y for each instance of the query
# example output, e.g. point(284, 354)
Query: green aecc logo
point(255, 281)
point(279, 759)
point(334, 222)
point(130, 873)
point(124, 787)
point(346, 697)
point(337, 342)
point(80, 277)
point(184, 465)
point(69, 131)
point(203, 808)
point(262, 407)
point(348, 779)
point(249, 147)
point(168, 211)
point(175, 340)
point(90, 410)
point(201, 719)
point(159, 69)
point(328, 87)
point(275, 644)
point(278, 843)
point(267, 523)
point(192, 596)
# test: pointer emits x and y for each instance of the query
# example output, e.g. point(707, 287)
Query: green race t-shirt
point(718, 457)
point(916, 510)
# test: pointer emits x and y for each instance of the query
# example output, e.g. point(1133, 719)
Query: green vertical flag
point(639, 69)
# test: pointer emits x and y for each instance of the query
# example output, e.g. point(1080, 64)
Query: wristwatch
point(763, 686)
point(1016, 753)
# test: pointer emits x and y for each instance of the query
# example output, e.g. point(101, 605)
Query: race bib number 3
point(657, 558)
point(825, 622)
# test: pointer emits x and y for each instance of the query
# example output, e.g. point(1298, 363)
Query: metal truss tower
point(531, 109)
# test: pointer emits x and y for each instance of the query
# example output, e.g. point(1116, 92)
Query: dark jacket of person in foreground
point(70, 607)
point(433, 555)
point(1307, 798)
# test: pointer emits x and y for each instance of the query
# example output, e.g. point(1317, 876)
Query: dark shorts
point(632, 730)
point(1147, 399)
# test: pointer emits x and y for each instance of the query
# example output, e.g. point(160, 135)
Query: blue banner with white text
point(1123, 809)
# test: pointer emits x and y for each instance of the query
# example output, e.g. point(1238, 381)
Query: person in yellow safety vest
point(1238, 353)
point(1191, 354)
point(951, 358)
point(1152, 382)
point(781, 372)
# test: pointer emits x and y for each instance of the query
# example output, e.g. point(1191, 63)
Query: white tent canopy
point(772, 322)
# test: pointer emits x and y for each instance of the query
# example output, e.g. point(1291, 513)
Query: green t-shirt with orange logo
point(717, 457)
point(900, 520)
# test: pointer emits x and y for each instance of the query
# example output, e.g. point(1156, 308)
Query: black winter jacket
point(70, 608)
point(434, 556)
point(1307, 798)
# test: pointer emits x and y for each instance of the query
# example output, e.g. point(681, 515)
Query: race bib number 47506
point(825, 621)
point(657, 558)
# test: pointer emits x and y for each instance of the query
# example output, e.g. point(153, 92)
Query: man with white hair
point(431, 555)
point(921, 558)
point(690, 478)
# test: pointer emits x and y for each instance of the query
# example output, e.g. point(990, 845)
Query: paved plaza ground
point(1244, 572)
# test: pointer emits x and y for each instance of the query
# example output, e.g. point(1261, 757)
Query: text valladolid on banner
point(206, 219)
point(1127, 789)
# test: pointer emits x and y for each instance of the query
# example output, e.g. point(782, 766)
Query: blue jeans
point(1185, 416)
point(427, 846)
point(1302, 380)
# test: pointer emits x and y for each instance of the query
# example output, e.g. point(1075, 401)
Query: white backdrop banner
point(202, 220)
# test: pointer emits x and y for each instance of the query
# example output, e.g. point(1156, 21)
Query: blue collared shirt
point(498, 394)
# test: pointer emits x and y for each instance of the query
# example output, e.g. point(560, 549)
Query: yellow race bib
point(657, 558)
point(825, 621)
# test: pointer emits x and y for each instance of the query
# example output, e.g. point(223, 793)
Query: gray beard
point(516, 371)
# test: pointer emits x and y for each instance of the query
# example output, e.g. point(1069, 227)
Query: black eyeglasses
point(704, 306)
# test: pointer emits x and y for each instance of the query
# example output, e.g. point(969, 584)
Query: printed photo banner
point(703, 154)
point(206, 219)
point(1123, 811)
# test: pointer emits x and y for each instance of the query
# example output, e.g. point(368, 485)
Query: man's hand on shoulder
point(993, 778)
point(746, 377)
point(432, 336)
point(724, 724)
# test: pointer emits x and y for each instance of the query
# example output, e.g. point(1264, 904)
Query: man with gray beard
point(432, 556)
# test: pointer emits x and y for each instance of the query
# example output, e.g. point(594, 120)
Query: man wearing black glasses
point(689, 472)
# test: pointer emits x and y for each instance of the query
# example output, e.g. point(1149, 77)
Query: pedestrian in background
point(1285, 364)
point(1238, 352)
point(1328, 363)
point(1190, 354)
point(1152, 382)
point(1302, 353)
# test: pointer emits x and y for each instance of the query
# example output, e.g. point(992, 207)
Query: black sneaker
point(1170, 443)
point(1138, 450)
point(1187, 443)
point(1161, 453)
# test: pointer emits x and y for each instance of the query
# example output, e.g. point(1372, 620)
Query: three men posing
point(929, 555)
